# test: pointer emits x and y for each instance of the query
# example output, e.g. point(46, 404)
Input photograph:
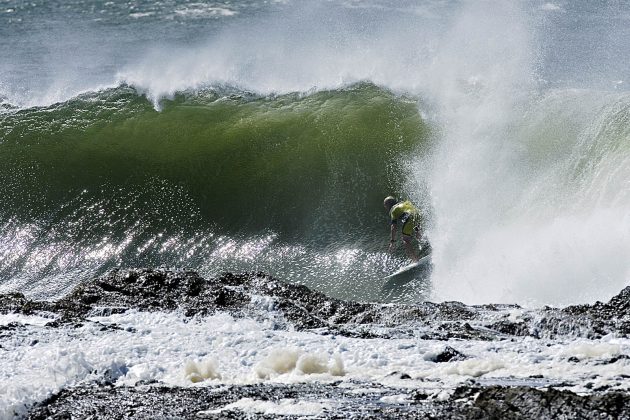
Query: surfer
point(406, 214)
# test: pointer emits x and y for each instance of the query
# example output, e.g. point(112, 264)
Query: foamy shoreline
point(250, 344)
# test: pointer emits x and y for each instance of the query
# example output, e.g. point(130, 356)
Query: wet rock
point(154, 401)
point(18, 303)
point(589, 321)
point(242, 295)
point(614, 359)
point(466, 391)
point(417, 395)
point(520, 329)
point(288, 306)
point(603, 318)
point(258, 296)
point(449, 354)
point(12, 302)
point(467, 402)
point(399, 375)
point(11, 326)
point(530, 403)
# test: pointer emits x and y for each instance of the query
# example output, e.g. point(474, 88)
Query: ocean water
point(263, 135)
point(253, 135)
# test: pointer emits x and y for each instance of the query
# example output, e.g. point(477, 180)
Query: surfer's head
point(389, 202)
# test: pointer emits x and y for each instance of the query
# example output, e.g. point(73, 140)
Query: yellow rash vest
point(406, 213)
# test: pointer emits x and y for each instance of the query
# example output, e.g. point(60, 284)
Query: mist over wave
point(506, 122)
point(529, 187)
point(547, 217)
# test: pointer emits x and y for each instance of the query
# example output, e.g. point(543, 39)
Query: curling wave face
point(104, 179)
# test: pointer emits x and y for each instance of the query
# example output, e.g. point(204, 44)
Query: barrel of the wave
point(112, 181)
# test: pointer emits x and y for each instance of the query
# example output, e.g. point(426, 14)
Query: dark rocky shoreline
point(467, 402)
point(299, 308)
point(302, 308)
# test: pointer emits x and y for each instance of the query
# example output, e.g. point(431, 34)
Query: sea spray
point(563, 234)
point(541, 174)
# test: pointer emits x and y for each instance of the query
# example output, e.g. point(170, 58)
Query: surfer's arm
point(392, 238)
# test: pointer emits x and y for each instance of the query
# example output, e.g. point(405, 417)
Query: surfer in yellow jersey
point(407, 215)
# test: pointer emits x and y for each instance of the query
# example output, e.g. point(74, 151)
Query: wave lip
point(197, 10)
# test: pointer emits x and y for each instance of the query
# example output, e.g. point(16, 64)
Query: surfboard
point(414, 271)
point(411, 266)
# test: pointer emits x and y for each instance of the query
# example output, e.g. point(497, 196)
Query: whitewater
point(262, 136)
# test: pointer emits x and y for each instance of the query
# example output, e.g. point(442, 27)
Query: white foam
point(292, 360)
point(395, 399)
point(283, 407)
point(279, 361)
point(542, 176)
point(198, 10)
point(288, 52)
point(6, 319)
point(550, 7)
point(139, 15)
point(587, 349)
point(209, 351)
point(199, 371)
point(474, 368)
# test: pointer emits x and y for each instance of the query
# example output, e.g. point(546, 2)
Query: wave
point(247, 163)
point(521, 167)
point(104, 179)
point(228, 180)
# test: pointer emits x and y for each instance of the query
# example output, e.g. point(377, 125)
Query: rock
point(302, 308)
point(449, 354)
point(530, 403)
point(164, 290)
point(399, 375)
point(520, 329)
point(467, 402)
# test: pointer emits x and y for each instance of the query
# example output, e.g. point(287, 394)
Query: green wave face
point(107, 170)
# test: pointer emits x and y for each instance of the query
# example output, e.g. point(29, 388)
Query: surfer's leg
point(424, 247)
point(409, 248)
point(408, 234)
